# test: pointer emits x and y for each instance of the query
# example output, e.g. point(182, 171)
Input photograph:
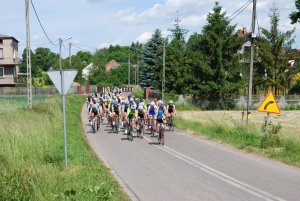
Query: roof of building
point(2, 36)
point(112, 65)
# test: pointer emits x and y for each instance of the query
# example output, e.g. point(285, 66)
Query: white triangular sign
point(68, 75)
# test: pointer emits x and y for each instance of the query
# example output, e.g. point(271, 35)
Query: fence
point(46, 91)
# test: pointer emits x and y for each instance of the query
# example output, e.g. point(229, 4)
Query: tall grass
point(32, 157)
point(246, 138)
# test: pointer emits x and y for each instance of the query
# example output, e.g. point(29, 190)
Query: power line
point(240, 10)
point(79, 47)
point(87, 46)
point(41, 24)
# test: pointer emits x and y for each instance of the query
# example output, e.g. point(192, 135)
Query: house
point(112, 65)
point(246, 48)
point(9, 62)
point(86, 71)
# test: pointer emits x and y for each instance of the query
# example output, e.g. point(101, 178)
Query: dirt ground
point(287, 119)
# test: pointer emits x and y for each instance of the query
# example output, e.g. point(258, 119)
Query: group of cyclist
point(130, 111)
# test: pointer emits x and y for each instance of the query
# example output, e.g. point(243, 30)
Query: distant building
point(86, 71)
point(246, 48)
point(9, 62)
point(112, 65)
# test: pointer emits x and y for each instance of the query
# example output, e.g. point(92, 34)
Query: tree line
point(208, 65)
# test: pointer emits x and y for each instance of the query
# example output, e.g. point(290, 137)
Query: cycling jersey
point(131, 114)
point(94, 109)
point(152, 110)
point(141, 113)
point(160, 115)
point(170, 108)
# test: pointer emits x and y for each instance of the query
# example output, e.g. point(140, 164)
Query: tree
point(151, 76)
point(274, 47)
point(44, 59)
point(295, 15)
point(213, 61)
point(175, 61)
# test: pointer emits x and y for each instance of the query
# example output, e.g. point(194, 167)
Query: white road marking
point(226, 178)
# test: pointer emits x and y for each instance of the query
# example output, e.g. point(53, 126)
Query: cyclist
point(160, 117)
point(152, 113)
point(131, 116)
point(141, 117)
point(94, 111)
point(115, 112)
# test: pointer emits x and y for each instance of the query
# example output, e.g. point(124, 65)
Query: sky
point(94, 24)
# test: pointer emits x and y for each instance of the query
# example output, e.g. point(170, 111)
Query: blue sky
point(99, 23)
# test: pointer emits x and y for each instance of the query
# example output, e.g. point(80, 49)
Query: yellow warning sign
point(269, 104)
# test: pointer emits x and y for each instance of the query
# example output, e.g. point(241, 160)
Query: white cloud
point(38, 37)
point(144, 37)
point(107, 44)
point(193, 20)
point(160, 11)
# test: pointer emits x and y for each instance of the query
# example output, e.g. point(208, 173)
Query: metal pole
point(135, 75)
point(267, 123)
point(60, 62)
point(129, 70)
point(70, 59)
point(28, 59)
point(138, 68)
point(251, 60)
point(164, 71)
point(64, 117)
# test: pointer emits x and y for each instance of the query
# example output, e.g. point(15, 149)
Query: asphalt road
point(190, 168)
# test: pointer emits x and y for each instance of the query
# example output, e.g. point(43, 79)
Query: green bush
point(138, 92)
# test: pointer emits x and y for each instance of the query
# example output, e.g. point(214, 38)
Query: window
point(1, 72)
point(1, 41)
point(1, 53)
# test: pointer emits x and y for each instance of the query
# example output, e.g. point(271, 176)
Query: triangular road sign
point(68, 75)
point(269, 104)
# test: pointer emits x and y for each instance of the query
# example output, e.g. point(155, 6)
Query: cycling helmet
point(131, 99)
point(140, 107)
point(116, 102)
point(160, 102)
point(160, 113)
point(171, 102)
point(141, 100)
point(152, 103)
point(133, 107)
point(94, 100)
point(126, 102)
point(142, 104)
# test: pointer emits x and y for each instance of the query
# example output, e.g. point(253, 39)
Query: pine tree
point(213, 60)
point(175, 61)
point(151, 76)
point(273, 48)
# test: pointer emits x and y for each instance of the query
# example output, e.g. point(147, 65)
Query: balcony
point(9, 61)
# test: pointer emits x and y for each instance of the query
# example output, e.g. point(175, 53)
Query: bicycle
point(130, 130)
point(115, 124)
point(161, 134)
point(171, 123)
point(93, 125)
point(140, 128)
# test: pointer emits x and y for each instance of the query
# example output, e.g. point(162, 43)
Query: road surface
point(188, 168)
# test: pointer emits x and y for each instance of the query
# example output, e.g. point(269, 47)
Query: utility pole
point(60, 62)
point(129, 71)
point(135, 75)
point(138, 68)
point(164, 71)
point(70, 59)
point(28, 59)
point(251, 60)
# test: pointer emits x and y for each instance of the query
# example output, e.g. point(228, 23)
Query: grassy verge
point(186, 107)
point(32, 157)
point(246, 138)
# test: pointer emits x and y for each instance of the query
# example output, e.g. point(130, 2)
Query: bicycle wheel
point(162, 136)
point(94, 126)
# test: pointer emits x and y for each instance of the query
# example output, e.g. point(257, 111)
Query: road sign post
point(269, 105)
point(62, 80)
